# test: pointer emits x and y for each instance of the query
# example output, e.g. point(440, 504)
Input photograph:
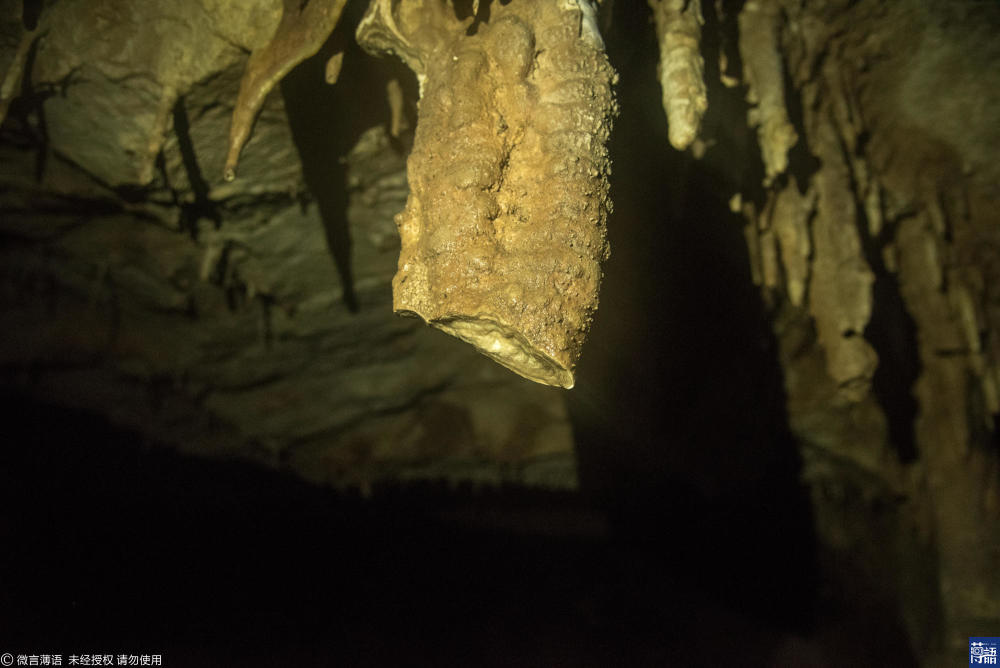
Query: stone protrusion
point(504, 229)
point(763, 71)
point(303, 28)
point(681, 68)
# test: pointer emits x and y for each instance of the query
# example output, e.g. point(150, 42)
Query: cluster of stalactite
point(873, 234)
point(871, 224)
point(505, 254)
point(503, 234)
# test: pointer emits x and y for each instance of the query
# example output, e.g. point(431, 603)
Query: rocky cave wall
point(252, 317)
point(852, 143)
point(873, 235)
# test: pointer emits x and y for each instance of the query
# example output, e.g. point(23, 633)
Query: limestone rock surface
point(504, 229)
point(236, 319)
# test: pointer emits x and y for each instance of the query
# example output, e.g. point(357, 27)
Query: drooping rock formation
point(503, 232)
point(875, 240)
point(303, 29)
point(681, 70)
point(214, 316)
point(858, 145)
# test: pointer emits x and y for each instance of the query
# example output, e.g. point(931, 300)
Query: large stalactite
point(503, 232)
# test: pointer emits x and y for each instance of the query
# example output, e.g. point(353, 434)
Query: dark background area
point(111, 545)
point(690, 542)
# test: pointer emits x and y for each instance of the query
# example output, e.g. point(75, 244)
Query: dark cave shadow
point(203, 207)
point(112, 539)
point(30, 11)
point(679, 409)
point(327, 120)
point(682, 438)
point(679, 412)
point(30, 101)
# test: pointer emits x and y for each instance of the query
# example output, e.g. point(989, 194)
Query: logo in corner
point(983, 651)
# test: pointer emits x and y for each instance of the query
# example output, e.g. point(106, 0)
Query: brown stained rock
point(303, 28)
point(504, 229)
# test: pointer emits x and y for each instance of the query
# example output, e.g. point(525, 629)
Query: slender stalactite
point(303, 28)
point(877, 229)
point(681, 69)
point(763, 71)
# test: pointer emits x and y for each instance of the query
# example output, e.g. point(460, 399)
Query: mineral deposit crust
point(504, 229)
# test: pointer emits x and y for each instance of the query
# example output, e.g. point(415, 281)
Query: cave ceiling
point(214, 213)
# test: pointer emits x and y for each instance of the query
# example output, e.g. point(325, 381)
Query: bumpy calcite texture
point(504, 229)
point(681, 69)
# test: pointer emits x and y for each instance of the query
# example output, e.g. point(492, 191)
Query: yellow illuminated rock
point(504, 229)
